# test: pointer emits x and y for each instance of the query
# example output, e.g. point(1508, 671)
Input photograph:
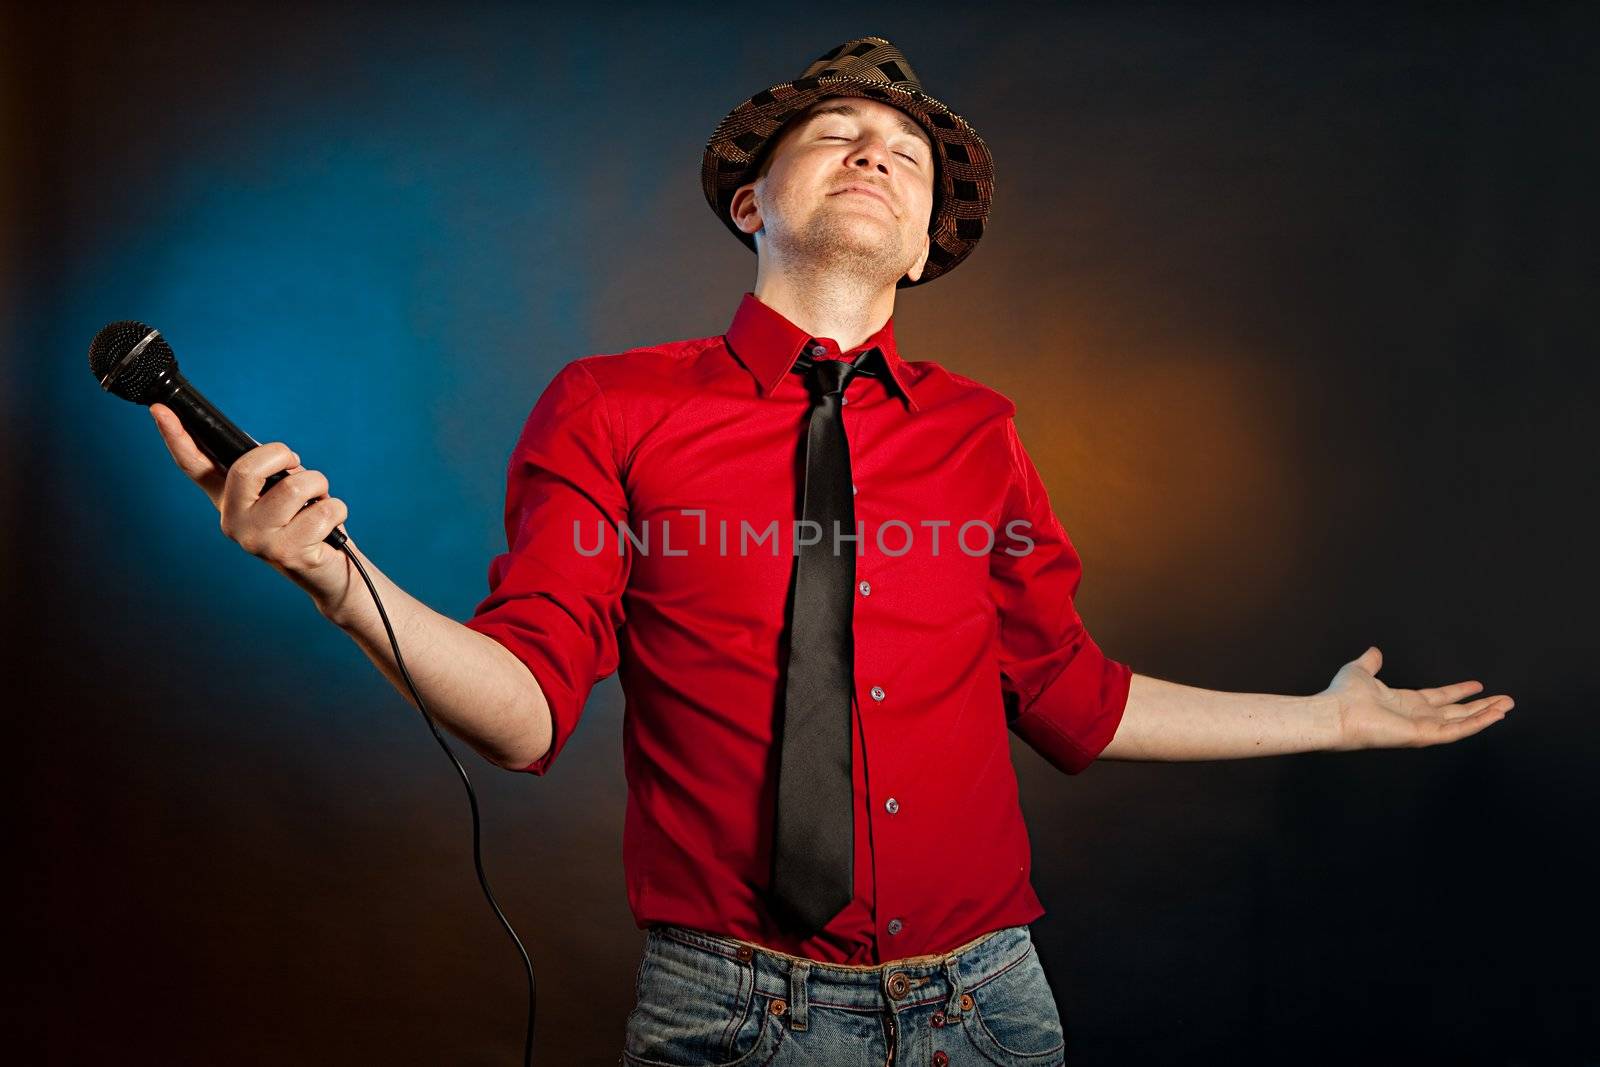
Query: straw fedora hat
point(963, 181)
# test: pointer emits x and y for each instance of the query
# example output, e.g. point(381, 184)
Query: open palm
point(1374, 715)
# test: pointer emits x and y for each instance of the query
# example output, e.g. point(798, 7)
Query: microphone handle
point(212, 431)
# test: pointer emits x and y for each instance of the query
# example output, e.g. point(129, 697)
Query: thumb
point(1371, 660)
point(177, 438)
point(185, 452)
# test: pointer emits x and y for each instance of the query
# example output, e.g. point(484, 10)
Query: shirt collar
point(768, 344)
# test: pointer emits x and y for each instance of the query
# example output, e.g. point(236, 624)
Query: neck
point(838, 307)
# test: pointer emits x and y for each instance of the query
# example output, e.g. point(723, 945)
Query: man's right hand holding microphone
point(284, 526)
point(473, 685)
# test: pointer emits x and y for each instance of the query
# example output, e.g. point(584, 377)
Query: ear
point(916, 268)
point(744, 210)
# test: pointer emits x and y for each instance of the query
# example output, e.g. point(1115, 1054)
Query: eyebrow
point(846, 109)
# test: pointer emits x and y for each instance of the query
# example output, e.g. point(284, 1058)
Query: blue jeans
point(704, 1000)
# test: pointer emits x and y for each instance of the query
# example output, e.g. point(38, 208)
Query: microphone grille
point(132, 379)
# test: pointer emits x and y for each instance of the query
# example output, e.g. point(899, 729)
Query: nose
point(874, 154)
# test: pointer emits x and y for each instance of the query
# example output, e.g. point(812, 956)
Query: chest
point(716, 491)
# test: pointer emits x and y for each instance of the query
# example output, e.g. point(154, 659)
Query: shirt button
point(866, 587)
point(844, 400)
point(894, 926)
point(877, 692)
point(892, 804)
point(819, 350)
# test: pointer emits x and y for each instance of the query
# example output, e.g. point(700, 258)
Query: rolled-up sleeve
point(556, 595)
point(1063, 695)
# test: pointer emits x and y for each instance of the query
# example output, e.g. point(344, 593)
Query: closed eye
point(902, 155)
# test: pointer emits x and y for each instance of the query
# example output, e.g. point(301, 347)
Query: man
point(823, 836)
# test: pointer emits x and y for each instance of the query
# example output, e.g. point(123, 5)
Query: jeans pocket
point(1013, 1019)
point(696, 1010)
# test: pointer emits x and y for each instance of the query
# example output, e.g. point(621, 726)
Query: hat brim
point(963, 167)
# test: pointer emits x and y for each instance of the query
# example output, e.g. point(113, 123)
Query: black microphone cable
point(472, 799)
point(131, 360)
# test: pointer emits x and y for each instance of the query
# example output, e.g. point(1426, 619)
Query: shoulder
point(622, 393)
point(619, 374)
point(612, 379)
point(936, 386)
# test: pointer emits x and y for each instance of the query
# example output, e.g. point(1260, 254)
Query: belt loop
point(952, 1009)
point(798, 972)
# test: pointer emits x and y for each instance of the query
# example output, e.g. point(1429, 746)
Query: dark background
point(1298, 308)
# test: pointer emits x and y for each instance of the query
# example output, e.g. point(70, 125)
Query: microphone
point(135, 362)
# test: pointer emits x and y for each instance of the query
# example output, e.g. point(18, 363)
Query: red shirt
point(651, 502)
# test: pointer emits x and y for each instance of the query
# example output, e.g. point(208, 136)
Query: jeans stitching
point(976, 1016)
point(991, 976)
point(768, 1026)
point(733, 949)
point(739, 1017)
point(719, 944)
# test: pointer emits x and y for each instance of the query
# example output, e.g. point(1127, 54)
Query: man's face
point(807, 204)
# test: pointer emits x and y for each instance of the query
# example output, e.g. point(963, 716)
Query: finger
point(1441, 732)
point(281, 504)
point(1500, 702)
point(185, 453)
point(250, 472)
point(1449, 694)
point(307, 531)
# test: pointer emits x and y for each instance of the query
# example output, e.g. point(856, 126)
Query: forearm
point(473, 685)
point(1168, 721)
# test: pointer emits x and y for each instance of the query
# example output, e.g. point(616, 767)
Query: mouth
point(864, 191)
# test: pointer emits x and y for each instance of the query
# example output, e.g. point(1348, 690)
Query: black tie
point(814, 836)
